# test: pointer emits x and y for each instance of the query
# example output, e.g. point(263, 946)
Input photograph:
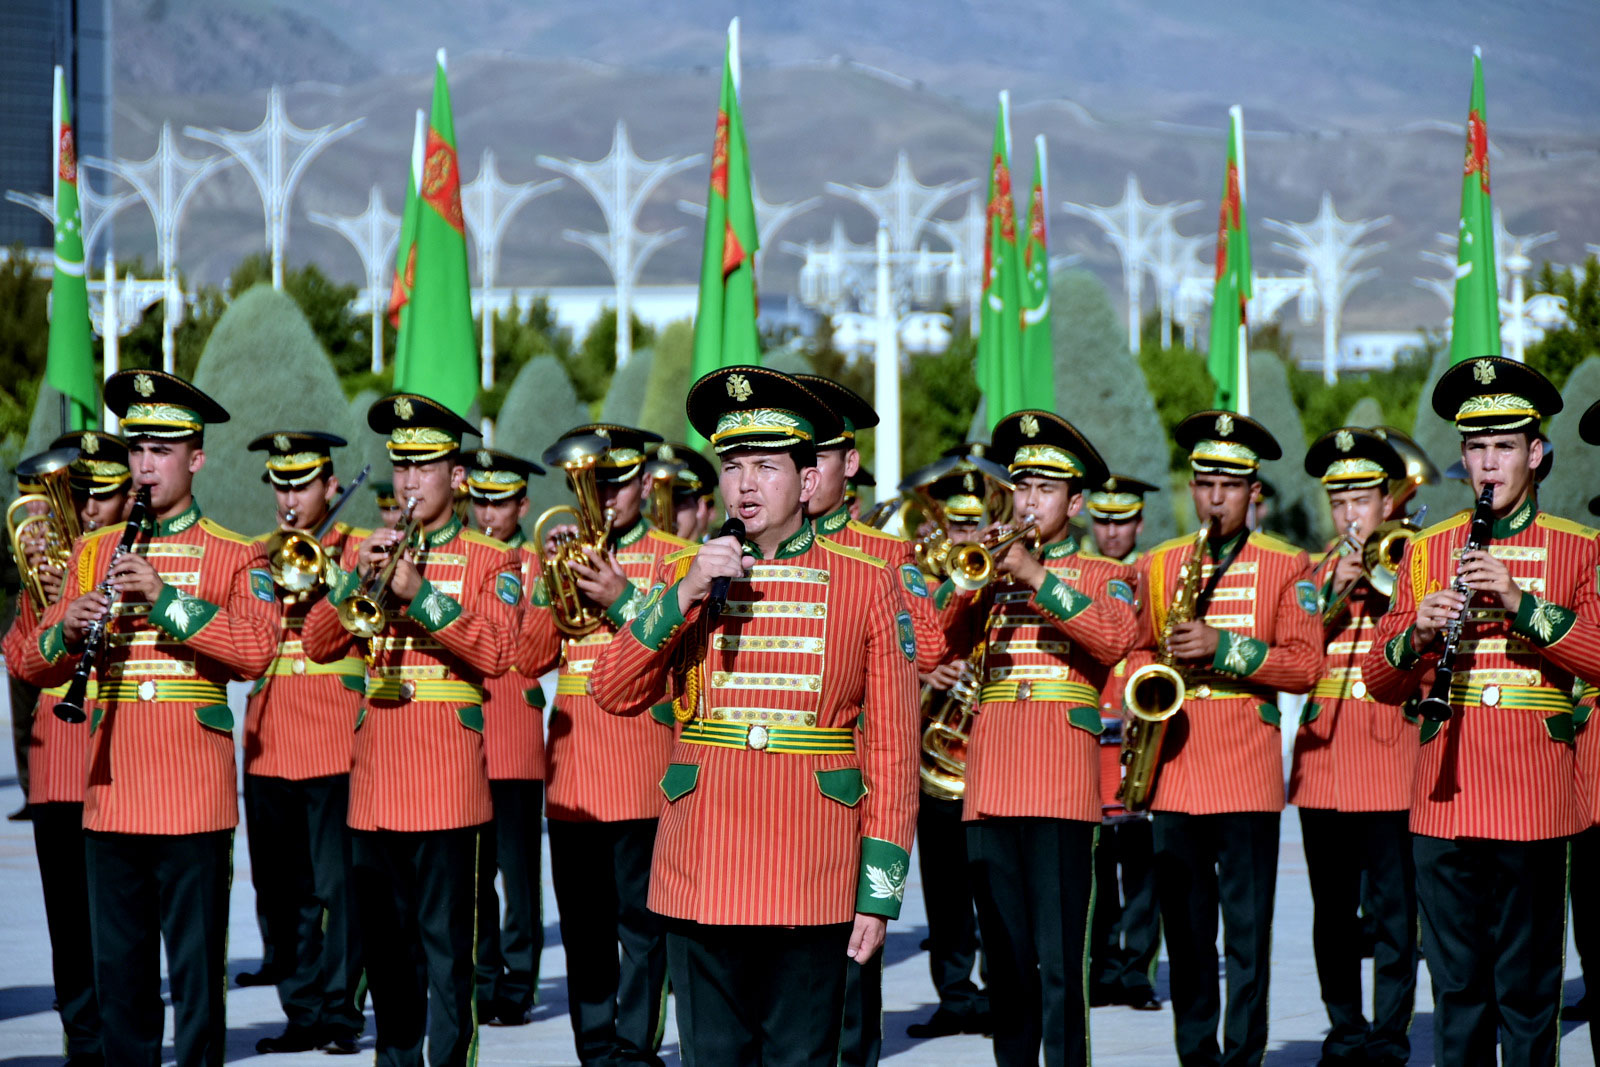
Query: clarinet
point(71, 707)
point(1435, 707)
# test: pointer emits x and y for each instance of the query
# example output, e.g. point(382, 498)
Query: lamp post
point(903, 204)
point(1171, 258)
point(620, 184)
point(372, 234)
point(95, 209)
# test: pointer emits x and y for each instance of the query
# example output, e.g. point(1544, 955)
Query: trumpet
point(577, 456)
point(363, 612)
point(971, 564)
point(55, 525)
point(295, 557)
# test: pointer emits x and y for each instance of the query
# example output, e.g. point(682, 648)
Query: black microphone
point(719, 586)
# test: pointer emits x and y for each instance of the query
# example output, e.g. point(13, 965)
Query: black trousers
point(24, 701)
point(1585, 883)
point(601, 875)
point(145, 889)
point(1340, 848)
point(947, 895)
point(1203, 863)
point(762, 996)
point(417, 900)
point(509, 947)
point(1034, 882)
point(300, 862)
point(861, 1035)
point(63, 875)
point(1126, 934)
point(1494, 939)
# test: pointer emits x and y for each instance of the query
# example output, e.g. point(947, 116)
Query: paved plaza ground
point(30, 1034)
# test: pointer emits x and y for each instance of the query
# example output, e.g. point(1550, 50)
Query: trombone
point(577, 456)
point(55, 525)
point(1380, 561)
point(362, 612)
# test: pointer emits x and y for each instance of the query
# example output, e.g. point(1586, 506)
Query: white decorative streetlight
point(1511, 264)
point(1130, 226)
point(621, 183)
point(96, 210)
point(1328, 246)
point(886, 369)
point(166, 182)
point(903, 204)
point(373, 235)
point(1171, 259)
point(275, 154)
point(487, 203)
point(967, 237)
point(771, 217)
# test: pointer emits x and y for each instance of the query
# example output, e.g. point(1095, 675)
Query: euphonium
point(363, 612)
point(55, 525)
point(577, 456)
point(661, 476)
point(971, 564)
point(1156, 691)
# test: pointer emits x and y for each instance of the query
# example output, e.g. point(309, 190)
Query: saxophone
point(1155, 691)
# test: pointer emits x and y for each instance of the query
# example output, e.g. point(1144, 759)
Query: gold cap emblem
point(1344, 440)
point(402, 407)
point(1029, 426)
point(665, 454)
point(280, 442)
point(739, 388)
point(969, 482)
point(91, 444)
point(484, 459)
point(1224, 425)
point(1483, 371)
point(143, 385)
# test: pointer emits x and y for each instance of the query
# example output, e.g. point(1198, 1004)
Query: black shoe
point(246, 979)
point(85, 1059)
point(1101, 996)
point(294, 1039)
point(1141, 1000)
point(1577, 1013)
point(22, 814)
point(511, 1015)
point(978, 1022)
point(941, 1023)
point(341, 1044)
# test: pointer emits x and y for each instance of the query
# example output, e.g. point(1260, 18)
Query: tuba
point(1156, 691)
point(948, 715)
point(363, 612)
point(577, 456)
point(55, 526)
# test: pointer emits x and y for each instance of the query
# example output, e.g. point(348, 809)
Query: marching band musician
point(1354, 760)
point(1053, 627)
point(388, 507)
point(513, 742)
point(1586, 845)
point(1219, 791)
point(1126, 932)
point(297, 779)
point(601, 799)
point(99, 480)
point(783, 848)
point(419, 786)
point(194, 610)
point(1495, 798)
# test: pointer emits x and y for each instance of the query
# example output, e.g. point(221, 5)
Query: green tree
point(938, 396)
point(625, 399)
point(539, 407)
point(669, 382)
point(1180, 384)
point(1571, 482)
point(24, 342)
point(1559, 352)
point(591, 366)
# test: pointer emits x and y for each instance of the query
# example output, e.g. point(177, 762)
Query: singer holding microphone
point(791, 796)
point(1494, 799)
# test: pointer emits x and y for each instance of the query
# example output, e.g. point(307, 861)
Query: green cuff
point(180, 614)
point(433, 609)
point(344, 586)
point(1542, 622)
point(1238, 655)
point(1059, 599)
point(53, 644)
point(1399, 652)
point(624, 608)
point(882, 883)
point(656, 625)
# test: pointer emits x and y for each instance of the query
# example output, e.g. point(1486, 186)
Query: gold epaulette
point(1183, 541)
point(1566, 526)
point(686, 552)
point(353, 533)
point(473, 537)
point(1274, 544)
point(1458, 519)
point(853, 553)
point(671, 539)
point(216, 529)
point(872, 531)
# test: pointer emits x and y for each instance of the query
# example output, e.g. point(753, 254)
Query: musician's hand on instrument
point(601, 580)
point(81, 614)
point(554, 535)
point(1485, 573)
point(50, 580)
point(134, 578)
point(1346, 571)
point(866, 936)
point(375, 550)
point(1433, 615)
point(945, 675)
point(1018, 564)
point(406, 582)
point(721, 557)
point(1193, 641)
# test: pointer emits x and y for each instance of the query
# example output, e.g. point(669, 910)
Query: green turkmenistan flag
point(1037, 383)
point(1228, 359)
point(70, 366)
point(436, 334)
point(1000, 310)
point(1475, 324)
point(725, 322)
point(405, 252)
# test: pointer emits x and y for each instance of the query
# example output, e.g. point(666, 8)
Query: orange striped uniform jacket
point(599, 768)
point(1352, 752)
point(1503, 766)
point(1034, 746)
point(1223, 751)
point(417, 760)
point(298, 721)
point(161, 750)
point(1112, 714)
point(792, 789)
point(1586, 755)
point(58, 752)
point(513, 714)
point(899, 554)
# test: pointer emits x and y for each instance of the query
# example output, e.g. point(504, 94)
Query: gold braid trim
point(690, 658)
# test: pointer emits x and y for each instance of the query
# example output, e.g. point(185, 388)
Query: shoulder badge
point(1117, 589)
point(508, 588)
point(911, 578)
point(1305, 594)
point(261, 584)
point(908, 639)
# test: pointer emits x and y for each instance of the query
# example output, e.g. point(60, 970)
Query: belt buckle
point(297, 666)
point(757, 738)
point(147, 690)
point(1491, 695)
point(1024, 690)
point(408, 689)
point(1359, 690)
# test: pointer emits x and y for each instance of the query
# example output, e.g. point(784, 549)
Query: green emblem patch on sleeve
point(508, 587)
point(1117, 589)
point(911, 577)
point(908, 639)
point(261, 585)
point(1305, 594)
